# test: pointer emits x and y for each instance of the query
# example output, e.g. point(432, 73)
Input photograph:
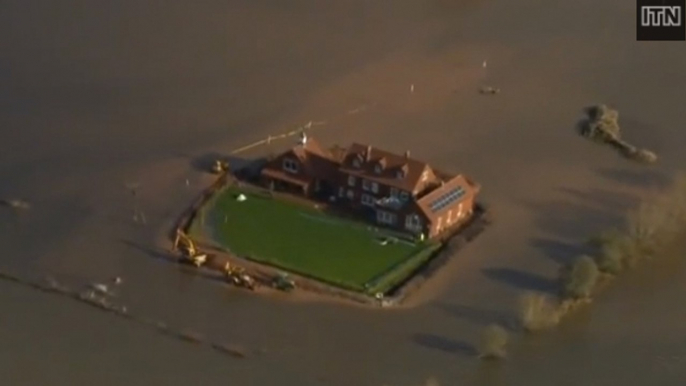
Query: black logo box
point(660, 33)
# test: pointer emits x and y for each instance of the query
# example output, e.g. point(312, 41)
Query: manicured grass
point(305, 241)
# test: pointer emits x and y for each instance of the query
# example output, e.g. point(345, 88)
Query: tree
point(493, 341)
point(537, 312)
point(579, 279)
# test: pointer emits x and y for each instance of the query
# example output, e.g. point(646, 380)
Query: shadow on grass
point(520, 279)
point(479, 316)
point(436, 342)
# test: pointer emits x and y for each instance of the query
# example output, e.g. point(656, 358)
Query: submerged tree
point(493, 341)
point(579, 279)
point(601, 123)
point(537, 312)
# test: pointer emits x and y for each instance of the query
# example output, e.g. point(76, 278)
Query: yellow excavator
point(188, 249)
point(238, 277)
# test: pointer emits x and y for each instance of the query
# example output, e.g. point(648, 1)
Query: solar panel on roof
point(447, 199)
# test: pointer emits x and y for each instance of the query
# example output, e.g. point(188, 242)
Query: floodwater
point(96, 96)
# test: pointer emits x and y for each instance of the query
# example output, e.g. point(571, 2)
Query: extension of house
point(391, 190)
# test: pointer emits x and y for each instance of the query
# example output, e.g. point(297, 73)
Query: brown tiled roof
point(410, 168)
point(296, 179)
point(456, 182)
point(316, 162)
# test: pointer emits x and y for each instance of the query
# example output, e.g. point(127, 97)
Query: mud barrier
point(104, 303)
point(451, 243)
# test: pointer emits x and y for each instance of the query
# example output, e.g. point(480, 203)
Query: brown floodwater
point(96, 96)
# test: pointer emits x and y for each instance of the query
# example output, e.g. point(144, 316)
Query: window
point(404, 196)
point(394, 192)
point(459, 210)
point(385, 217)
point(412, 222)
point(351, 194)
point(356, 162)
point(378, 169)
point(439, 224)
point(449, 219)
point(425, 175)
point(366, 184)
point(375, 187)
point(367, 200)
point(290, 165)
point(341, 191)
point(351, 180)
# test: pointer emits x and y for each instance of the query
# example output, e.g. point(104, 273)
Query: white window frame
point(386, 217)
point(351, 180)
point(367, 199)
point(350, 194)
point(375, 187)
point(290, 165)
point(366, 185)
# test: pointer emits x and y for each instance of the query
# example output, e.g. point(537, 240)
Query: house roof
point(316, 162)
point(446, 196)
point(399, 171)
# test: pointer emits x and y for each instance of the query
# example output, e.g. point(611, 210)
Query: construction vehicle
point(219, 166)
point(188, 249)
point(238, 277)
point(283, 282)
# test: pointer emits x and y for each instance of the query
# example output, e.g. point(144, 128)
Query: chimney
point(407, 154)
point(369, 153)
point(303, 138)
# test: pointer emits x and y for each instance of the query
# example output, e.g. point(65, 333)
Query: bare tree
point(493, 341)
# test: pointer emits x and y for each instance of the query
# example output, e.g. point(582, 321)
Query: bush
point(579, 279)
point(538, 312)
point(601, 124)
point(493, 342)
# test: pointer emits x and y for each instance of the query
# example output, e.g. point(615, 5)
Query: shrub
point(601, 124)
point(493, 342)
point(538, 312)
point(579, 279)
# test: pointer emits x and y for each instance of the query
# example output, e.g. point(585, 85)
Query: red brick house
point(395, 191)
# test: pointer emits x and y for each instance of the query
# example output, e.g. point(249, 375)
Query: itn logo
point(660, 20)
point(661, 16)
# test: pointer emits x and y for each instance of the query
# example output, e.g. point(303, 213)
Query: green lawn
point(305, 241)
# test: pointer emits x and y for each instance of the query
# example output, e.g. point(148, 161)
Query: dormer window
point(357, 163)
point(401, 172)
point(290, 165)
point(380, 165)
